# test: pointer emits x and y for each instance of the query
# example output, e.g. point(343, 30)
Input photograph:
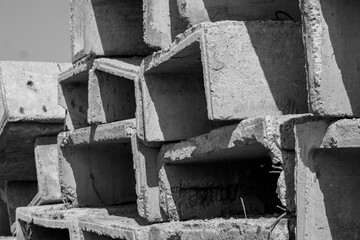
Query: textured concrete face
point(219, 67)
point(47, 170)
point(107, 28)
point(332, 41)
point(163, 20)
point(96, 165)
point(29, 109)
point(111, 227)
point(147, 183)
point(52, 222)
point(189, 170)
point(98, 91)
point(111, 90)
point(327, 170)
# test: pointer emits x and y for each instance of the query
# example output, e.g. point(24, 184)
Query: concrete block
point(164, 20)
point(47, 170)
point(212, 174)
point(19, 194)
point(96, 91)
point(107, 28)
point(28, 110)
point(332, 41)
point(219, 66)
point(327, 179)
point(96, 165)
point(147, 183)
point(112, 227)
point(111, 90)
point(52, 222)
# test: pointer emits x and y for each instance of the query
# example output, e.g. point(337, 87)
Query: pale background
point(35, 30)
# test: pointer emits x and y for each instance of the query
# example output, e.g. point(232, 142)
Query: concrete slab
point(219, 66)
point(105, 28)
point(129, 229)
point(209, 175)
point(96, 166)
point(327, 179)
point(332, 42)
point(52, 222)
point(164, 20)
point(97, 91)
point(47, 170)
point(28, 110)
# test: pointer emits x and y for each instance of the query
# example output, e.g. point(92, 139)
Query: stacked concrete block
point(107, 28)
point(164, 20)
point(327, 173)
point(98, 91)
point(332, 40)
point(28, 112)
point(219, 66)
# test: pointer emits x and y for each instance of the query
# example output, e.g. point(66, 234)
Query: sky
point(35, 30)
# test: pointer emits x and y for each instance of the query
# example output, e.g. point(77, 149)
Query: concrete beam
point(104, 28)
point(217, 163)
point(219, 66)
point(327, 179)
point(52, 222)
point(47, 170)
point(332, 41)
point(96, 165)
point(97, 91)
point(164, 20)
point(28, 109)
point(112, 227)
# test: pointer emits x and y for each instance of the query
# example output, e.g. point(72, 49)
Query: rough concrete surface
point(47, 170)
point(331, 38)
point(327, 179)
point(220, 66)
point(164, 20)
point(111, 89)
point(96, 165)
point(107, 28)
point(28, 110)
point(98, 91)
point(52, 222)
point(147, 182)
point(129, 229)
point(192, 172)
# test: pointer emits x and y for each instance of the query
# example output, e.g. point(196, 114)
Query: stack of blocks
point(188, 119)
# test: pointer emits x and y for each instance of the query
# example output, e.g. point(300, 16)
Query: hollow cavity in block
point(332, 41)
point(30, 231)
point(111, 90)
point(327, 179)
point(212, 73)
point(96, 167)
point(73, 94)
point(47, 170)
point(107, 28)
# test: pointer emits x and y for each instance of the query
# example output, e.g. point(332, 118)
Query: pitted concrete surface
point(327, 170)
point(220, 66)
point(96, 167)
